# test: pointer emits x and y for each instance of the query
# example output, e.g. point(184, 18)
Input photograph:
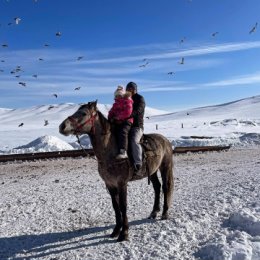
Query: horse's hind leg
point(115, 202)
point(166, 170)
point(157, 190)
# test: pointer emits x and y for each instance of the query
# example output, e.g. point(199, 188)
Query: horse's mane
point(106, 127)
point(83, 106)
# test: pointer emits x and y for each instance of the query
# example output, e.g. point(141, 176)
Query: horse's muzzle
point(62, 129)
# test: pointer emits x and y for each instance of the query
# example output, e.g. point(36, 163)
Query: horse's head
point(81, 122)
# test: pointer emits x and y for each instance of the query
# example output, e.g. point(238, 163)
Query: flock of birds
point(17, 71)
point(181, 62)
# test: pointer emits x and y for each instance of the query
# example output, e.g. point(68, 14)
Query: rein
point(83, 149)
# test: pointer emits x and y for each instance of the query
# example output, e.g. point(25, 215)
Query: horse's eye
point(83, 113)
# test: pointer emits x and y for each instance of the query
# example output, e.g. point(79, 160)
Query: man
point(137, 128)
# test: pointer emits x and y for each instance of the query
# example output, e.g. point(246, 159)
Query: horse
point(117, 173)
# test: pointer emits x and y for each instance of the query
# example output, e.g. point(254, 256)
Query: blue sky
point(115, 38)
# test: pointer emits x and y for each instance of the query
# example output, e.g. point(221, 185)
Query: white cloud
point(100, 71)
point(169, 53)
point(238, 80)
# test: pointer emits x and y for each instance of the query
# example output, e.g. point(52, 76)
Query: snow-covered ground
point(236, 123)
point(60, 209)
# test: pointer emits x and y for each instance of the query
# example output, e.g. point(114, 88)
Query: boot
point(122, 154)
point(138, 170)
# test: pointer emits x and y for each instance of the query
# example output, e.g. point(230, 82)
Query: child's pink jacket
point(121, 109)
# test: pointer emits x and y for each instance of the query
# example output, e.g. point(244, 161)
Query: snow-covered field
point(61, 210)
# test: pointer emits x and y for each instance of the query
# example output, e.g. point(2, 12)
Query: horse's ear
point(93, 105)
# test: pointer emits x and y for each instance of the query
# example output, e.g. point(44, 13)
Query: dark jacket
point(138, 110)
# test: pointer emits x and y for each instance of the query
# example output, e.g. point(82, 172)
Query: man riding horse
point(137, 128)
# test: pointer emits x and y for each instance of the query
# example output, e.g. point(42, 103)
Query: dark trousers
point(122, 131)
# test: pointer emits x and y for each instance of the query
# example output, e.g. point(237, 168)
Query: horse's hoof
point(122, 237)
point(153, 215)
point(165, 216)
point(115, 233)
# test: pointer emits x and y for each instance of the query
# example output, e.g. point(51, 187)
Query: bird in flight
point(5, 45)
point(214, 34)
point(18, 69)
point(22, 84)
point(80, 58)
point(46, 122)
point(58, 34)
point(182, 40)
point(144, 65)
point(35, 75)
point(17, 20)
point(253, 29)
point(78, 88)
point(21, 125)
point(171, 73)
point(182, 61)
point(41, 59)
point(46, 45)
point(55, 95)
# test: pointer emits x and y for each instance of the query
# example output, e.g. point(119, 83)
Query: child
point(119, 115)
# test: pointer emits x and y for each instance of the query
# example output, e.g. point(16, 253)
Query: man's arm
point(139, 109)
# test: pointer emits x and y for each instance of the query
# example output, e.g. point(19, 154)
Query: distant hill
point(242, 109)
point(236, 123)
point(55, 113)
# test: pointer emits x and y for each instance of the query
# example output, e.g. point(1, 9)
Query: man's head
point(131, 87)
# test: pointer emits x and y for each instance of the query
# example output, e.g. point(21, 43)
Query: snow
point(43, 144)
point(60, 209)
point(235, 123)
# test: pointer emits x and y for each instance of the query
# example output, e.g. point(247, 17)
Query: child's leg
point(123, 135)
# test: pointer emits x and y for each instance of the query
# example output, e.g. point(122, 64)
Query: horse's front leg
point(123, 208)
point(115, 202)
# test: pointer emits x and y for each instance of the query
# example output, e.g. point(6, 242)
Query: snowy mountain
point(235, 123)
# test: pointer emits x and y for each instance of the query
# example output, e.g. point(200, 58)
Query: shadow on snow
point(40, 245)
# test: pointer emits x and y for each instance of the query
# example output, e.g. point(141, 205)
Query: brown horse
point(117, 173)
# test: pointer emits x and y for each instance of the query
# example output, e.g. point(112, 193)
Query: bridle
point(77, 127)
